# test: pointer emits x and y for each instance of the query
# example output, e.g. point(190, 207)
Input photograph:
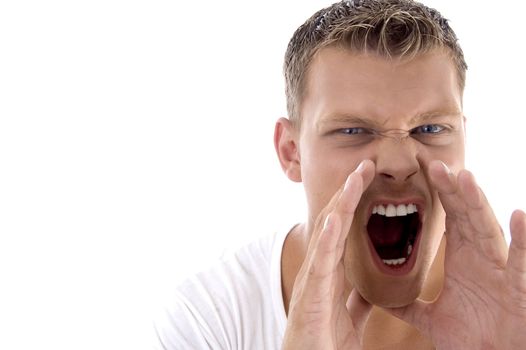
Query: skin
point(329, 278)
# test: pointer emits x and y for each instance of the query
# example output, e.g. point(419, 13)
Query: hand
point(321, 316)
point(483, 302)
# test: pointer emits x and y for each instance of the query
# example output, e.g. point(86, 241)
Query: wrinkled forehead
point(340, 82)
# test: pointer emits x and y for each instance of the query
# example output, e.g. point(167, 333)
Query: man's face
point(387, 257)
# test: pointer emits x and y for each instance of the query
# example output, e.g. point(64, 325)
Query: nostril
point(397, 177)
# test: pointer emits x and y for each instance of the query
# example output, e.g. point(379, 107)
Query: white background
point(136, 147)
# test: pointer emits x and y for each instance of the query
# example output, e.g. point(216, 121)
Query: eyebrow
point(420, 118)
point(346, 118)
point(435, 114)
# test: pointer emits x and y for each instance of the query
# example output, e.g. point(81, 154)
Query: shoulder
point(229, 305)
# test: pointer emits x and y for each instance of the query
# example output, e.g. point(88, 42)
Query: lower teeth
point(399, 261)
point(394, 261)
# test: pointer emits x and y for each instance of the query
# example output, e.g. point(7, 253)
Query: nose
point(396, 160)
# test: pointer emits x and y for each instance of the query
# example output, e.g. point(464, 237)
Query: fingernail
point(327, 223)
point(347, 182)
point(447, 168)
point(360, 167)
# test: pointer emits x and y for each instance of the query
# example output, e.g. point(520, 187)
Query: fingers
point(345, 200)
point(468, 213)
point(442, 177)
point(478, 209)
point(353, 189)
point(416, 314)
point(309, 321)
point(326, 256)
point(359, 310)
point(318, 292)
point(327, 248)
point(516, 265)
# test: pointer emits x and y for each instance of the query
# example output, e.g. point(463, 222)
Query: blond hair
point(388, 28)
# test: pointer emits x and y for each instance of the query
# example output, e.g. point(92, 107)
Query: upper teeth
point(395, 210)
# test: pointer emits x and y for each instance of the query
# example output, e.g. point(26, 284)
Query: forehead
point(340, 82)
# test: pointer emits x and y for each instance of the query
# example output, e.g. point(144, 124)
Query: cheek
point(452, 155)
point(321, 180)
point(324, 171)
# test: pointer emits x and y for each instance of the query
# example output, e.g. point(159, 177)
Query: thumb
point(416, 314)
point(359, 310)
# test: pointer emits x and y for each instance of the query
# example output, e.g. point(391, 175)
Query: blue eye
point(429, 129)
point(354, 131)
point(356, 136)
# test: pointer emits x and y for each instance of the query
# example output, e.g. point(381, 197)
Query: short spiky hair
point(388, 28)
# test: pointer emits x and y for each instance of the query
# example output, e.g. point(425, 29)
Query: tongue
point(385, 231)
point(387, 236)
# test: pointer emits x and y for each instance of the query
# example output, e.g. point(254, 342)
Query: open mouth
point(393, 231)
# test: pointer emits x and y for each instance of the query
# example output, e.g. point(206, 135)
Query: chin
point(382, 290)
point(388, 294)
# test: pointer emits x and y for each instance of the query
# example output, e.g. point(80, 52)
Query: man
point(376, 135)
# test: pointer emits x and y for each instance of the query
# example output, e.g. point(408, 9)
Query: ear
point(286, 144)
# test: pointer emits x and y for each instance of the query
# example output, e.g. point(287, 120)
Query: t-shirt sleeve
point(183, 326)
point(234, 305)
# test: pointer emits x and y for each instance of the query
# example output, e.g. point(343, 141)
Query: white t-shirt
point(237, 304)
